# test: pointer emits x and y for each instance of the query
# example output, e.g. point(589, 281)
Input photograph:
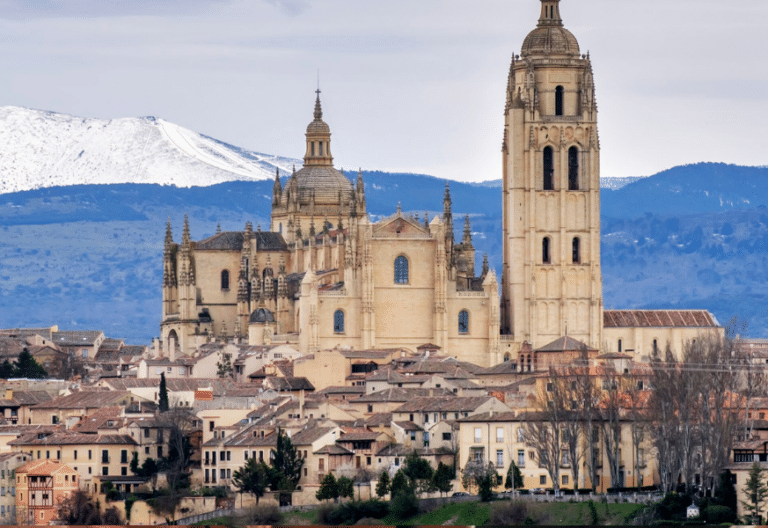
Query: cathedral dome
point(325, 183)
point(550, 40)
point(261, 315)
point(550, 37)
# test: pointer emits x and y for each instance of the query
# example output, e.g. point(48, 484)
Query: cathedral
point(325, 276)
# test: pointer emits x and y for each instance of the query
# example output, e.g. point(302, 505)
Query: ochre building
point(325, 276)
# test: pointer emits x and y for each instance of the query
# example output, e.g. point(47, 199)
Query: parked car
point(460, 494)
point(537, 491)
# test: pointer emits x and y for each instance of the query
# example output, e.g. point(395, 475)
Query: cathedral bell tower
point(551, 280)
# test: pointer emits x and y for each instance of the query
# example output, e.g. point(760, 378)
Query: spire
point(447, 215)
point(318, 107)
point(550, 13)
point(360, 189)
point(426, 220)
point(467, 240)
point(318, 139)
point(218, 228)
point(312, 227)
point(168, 236)
point(485, 265)
point(277, 190)
point(185, 233)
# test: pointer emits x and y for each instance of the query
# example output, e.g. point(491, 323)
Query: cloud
point(37, 9)
point(290, 7)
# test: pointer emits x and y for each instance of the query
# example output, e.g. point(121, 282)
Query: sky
point(408, 86)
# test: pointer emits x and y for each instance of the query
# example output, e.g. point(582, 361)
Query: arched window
point(546, 258)
point(401, 270)
point(463, 322)
point(559, 100)
point(225, 279)
point(573, 169)
point(549, 169)
point(576, 250)
point(338, 322)
point(619, 345)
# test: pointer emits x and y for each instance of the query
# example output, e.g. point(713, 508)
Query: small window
point(401, 270)
point(546, 257)
point(559, 100)
point(619, 345)
point(85, 353)
point(225, 279)
point(463, 322)
point(573, 169)
point(576, 250)
point(565, 480)
point(549, 169)
point(542, 480)
point(338, 322)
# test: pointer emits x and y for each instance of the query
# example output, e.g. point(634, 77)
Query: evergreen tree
point(399, 483)
point(163, 403)
point(346, 487)
point(514, 477)
point(286, 464)
point(7, 370)
point(251, 478)
point(382, 486)
point(442, 478)
point(27, 367)
point(756, 491)
point(328, 488)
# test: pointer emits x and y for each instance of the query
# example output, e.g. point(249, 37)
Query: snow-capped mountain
point(45, 149)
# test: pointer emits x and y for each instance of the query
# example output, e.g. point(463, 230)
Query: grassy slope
point(478, 514)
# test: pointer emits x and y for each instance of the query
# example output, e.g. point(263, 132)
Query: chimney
point(8, 394)
point(156, 348)
point(301, 403)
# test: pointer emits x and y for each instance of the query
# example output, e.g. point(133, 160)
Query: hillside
point(89, 256)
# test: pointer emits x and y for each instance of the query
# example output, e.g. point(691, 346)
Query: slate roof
point(565, 344)
point(226, 240)
point(658, 318)
point(269, 241)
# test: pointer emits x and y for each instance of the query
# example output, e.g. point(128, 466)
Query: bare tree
point(611, 418)
point(662, 405)
point(588, 396)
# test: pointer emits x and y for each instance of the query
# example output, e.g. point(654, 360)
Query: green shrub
point(405, 504)
point(716, 514)
point(324, 513)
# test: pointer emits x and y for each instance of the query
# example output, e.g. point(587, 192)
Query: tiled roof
point(399, 394)
point(658, 318)
point(394, 450)
point(45, 467)
point(359, 435)
point(26, 398)
point(26, 332)
point(384, 419)
point(333, 449)
point(57, 439)
point(565, 344)
point(251, 436)
point(309, 435)
point(343, 389)
point(173, 384)
point(100, 419)
point(288, 384)
point(449, 404)
point(409, 426)
point(87, 399)
point(76, 337)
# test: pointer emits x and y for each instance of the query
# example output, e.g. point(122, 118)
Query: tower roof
point(550, 37)
point(318, 126)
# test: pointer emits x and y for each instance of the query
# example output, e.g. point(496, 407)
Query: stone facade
point(325, 276)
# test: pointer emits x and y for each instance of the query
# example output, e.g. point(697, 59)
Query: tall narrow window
point(463, 322)
point(549, 169)
point(313, 148)
point(546, 258)
point(573, 169)
point(338, 322)
point(576, 251)
point(401, 270)
point(619, 345)
point(225, 279)
point(559, 100)
point(320, 148)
